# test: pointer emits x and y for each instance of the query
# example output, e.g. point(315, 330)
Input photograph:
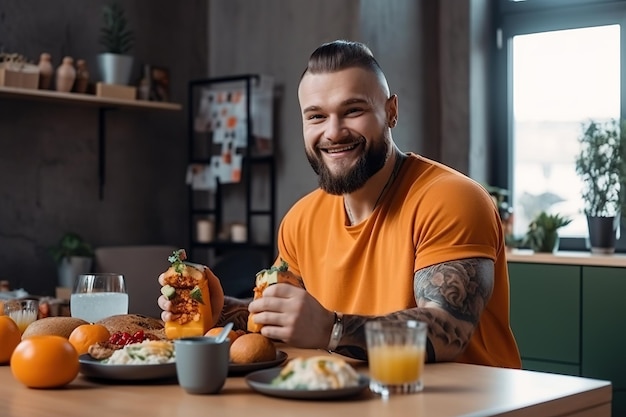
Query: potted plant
point(74, 256)
point(542, 234)
point(602, 169)
point(117, 40)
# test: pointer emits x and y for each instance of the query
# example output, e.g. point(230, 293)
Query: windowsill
point(567, 258)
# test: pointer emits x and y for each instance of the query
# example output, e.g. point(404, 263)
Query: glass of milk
point(96, 296)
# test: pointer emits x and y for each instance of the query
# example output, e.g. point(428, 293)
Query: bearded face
point(351, 179)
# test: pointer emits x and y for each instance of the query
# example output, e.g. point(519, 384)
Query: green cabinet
point(545, 316)
point(603, 324)
point(570, 319)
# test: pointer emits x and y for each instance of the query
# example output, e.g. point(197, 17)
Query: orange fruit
point(10, 337)
point(232, 335)
point(44, 362)
point(86, 335)
point(252, 347)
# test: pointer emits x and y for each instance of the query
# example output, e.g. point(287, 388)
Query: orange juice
point(396, 364)
point(23, 318)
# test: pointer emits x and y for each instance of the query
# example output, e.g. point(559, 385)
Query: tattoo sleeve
point(235, 310)
point(450, 297)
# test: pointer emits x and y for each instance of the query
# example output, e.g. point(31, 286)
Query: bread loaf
point(131, 323)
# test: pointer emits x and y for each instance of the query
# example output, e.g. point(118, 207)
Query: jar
point(66, 75)
point(46, 71)
point(82, 77)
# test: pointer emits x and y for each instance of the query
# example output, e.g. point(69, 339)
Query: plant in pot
point(542, 234)
point(601, 166)
point(117, 40)
point(74, 256)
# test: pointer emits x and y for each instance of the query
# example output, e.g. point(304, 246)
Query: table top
point(451, 389)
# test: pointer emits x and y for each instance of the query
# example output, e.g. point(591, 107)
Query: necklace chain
point(396, 168)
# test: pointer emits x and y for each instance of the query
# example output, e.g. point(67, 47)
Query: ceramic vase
point(82, 77)
point(70, 268)
point(46, 71)
point(115, 68)
point(66, 75)
point(602, 234)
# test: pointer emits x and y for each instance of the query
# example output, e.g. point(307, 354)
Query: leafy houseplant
point(115, 35)
point(542, 234)
point(71, 244)
point(73, 256)
point(602, 168)
point(117, 39)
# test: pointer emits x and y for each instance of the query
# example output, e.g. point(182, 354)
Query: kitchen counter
point(451, 389)
point(567, 258)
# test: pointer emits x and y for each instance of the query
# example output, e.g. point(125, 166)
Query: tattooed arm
point(450, 297)
point(235, 310)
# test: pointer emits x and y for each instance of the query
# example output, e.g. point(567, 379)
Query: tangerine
point(10, 337)
point(232, 335)
point(47, 361)
point(86, 335)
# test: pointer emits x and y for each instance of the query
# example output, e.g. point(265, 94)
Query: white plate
point(261, 381)
point(235, 368)
point(94, 368)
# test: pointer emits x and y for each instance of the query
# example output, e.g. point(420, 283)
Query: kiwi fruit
point(60, 326)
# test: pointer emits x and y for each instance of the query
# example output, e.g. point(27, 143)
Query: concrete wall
point(48, 152)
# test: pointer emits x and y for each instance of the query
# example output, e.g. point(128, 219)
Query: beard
point(368, 164)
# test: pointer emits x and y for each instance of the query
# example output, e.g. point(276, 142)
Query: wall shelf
point(84, 99)
point(103, 104)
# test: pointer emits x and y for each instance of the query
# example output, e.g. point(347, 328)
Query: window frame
point(514, 18)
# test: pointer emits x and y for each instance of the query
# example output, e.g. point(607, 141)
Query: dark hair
point(341, 54)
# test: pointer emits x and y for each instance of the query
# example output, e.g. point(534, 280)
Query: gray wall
point(429, 49)
point(49, 151)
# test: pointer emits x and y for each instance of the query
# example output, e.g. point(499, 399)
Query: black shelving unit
point(258, 176)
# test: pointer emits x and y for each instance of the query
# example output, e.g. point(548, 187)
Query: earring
point(392, 123)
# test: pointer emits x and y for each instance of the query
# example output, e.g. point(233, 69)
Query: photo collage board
point(221, 121)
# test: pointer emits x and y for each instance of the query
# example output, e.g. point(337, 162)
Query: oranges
point(252, 347)
point(232, 335)
point(86, 335)
point(44, 362)
point(10, 337)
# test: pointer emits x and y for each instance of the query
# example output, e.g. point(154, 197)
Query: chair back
point(141, 267)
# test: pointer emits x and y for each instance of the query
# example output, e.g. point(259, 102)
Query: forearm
point(235, 310)
point(450, 298)
point(353, 343)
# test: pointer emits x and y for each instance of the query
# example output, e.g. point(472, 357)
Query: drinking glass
point(23, 312)
point(396, 354)
point(97, 296)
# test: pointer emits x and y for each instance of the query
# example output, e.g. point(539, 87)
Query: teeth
point(345, 148)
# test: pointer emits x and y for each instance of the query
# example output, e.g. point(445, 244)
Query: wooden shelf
point(84, 99)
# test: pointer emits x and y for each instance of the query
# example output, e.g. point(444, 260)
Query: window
point(560, 66)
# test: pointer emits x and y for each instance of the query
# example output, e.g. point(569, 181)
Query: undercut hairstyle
point(341, 54)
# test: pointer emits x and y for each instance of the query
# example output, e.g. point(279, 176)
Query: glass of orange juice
point(23, 312)
point(396, 351)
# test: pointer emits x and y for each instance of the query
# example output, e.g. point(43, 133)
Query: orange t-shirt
point(430, 214)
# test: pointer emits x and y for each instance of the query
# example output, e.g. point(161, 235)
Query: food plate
point(261, 381)
point(93, 368)
point(236, 368)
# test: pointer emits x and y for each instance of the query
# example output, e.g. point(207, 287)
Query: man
point(388, 235)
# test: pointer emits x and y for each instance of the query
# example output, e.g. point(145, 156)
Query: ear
point(391, 110)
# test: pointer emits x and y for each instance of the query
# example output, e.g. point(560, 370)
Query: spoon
point(224, 333)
